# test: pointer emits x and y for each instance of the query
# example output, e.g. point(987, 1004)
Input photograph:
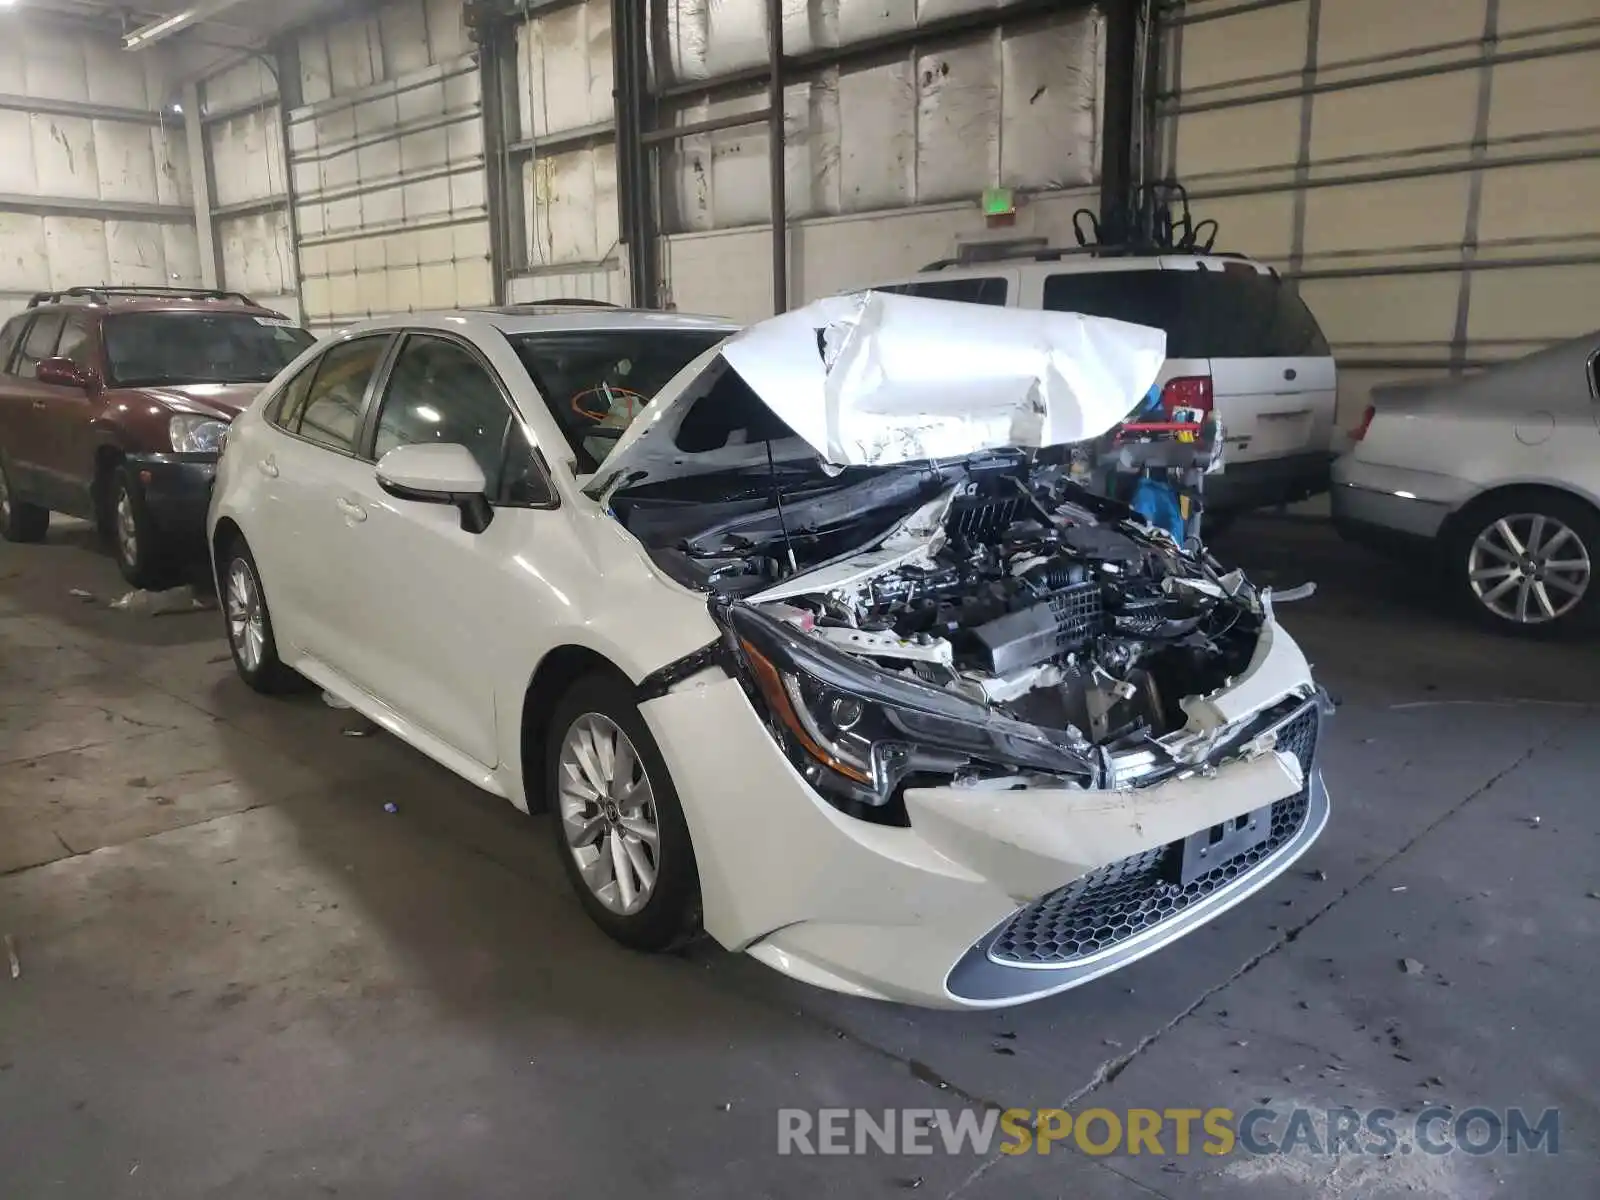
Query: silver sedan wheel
point(1529, 568)
point(247, 626)
point(608, 813)
point(127, 531)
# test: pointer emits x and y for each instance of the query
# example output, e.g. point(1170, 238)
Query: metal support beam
point(200, 176)
point(672, 133)
point(567, 139)
point(635, 164)
point(45, 106)
point(97, 210)
point(497, 65)
point(251, 208)
point(284, 63)
point(1120, 110)
point(780, 221)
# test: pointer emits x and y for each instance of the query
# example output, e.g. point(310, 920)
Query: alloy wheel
point(247, 627)
point(127, 530)
point(608, 813)
point(1529, 568)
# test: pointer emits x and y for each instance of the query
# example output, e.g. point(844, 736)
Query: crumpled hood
point(224, 401)
point(875, 379)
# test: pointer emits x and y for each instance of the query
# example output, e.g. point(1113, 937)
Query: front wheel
point(1525, 564)
point(134, 539)
point(619, 827)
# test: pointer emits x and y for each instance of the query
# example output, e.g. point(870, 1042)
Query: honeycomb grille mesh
point(1122, 899)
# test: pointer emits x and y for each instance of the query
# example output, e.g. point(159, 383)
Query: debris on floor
point(11, 957)
point(389, 806)
point(80, 594)
point(333, 701)
point(161, 604)
point(1411, 966)
point(355, 732)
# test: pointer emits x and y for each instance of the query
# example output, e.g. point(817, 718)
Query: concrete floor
point(240, 976)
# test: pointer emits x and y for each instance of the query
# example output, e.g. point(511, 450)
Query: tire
point(248, 624)
point(1551, 589)
point(19, 520)
point(667, 914)
point(135, 541)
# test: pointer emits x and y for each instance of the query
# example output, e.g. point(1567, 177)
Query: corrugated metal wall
point(94, 183)
point(1429, 172)
point(243, 124)
point(885, 162)
point(387, 157)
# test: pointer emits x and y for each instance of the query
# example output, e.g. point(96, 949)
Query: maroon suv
point(113, 405)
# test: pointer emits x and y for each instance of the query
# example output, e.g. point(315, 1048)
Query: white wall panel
point(388, 166)
point(1409, 187)
point(48, 158)
point(569, 196)
point(729, 272)
point(1017, 107)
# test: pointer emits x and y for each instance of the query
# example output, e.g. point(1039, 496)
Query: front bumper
point(177, 492)
point(1267, 483)
point(912, 914)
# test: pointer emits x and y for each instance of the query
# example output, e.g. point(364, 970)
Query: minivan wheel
point(249, 624)
point(19, 520)
point(619, 827)
point(134, 541)
point(1526, 562)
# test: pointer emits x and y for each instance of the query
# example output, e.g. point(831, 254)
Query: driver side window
point(440, 392)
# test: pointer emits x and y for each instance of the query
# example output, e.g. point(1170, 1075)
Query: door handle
point(351, 510)
point(268, 466)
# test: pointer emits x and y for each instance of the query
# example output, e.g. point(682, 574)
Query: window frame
point(90, 343)
point(380, 372)
point(515, 422)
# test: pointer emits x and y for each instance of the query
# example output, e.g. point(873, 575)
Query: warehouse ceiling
point(201, 33)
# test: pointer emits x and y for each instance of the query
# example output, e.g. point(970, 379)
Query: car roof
point(550, 318)
point(1090, 264)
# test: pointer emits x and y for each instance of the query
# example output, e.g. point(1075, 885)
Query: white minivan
point(1239, 340)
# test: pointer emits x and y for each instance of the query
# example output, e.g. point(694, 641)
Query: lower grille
point(1123, 899)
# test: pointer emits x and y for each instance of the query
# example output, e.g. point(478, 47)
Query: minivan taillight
point(1187, 391)
point(1360, 431)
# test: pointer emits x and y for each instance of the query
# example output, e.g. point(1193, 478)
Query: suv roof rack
point(105, 293)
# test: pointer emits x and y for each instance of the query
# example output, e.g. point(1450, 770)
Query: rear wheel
point(1525, 564)
point(619, 827)
point(19, 520)
point(249, 624)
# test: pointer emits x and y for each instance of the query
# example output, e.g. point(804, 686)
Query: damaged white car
point(805, 635)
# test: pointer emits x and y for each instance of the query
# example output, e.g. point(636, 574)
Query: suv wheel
point(19, 520)
point(1526, 562)
point(619, 828)
point(134, 540)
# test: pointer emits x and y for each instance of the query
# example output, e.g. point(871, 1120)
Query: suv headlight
point(857, 733)
point(192, 434)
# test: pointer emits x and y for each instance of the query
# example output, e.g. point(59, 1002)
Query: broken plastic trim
point(659, 682)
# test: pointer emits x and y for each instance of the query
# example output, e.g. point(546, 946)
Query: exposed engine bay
point(1070, 629)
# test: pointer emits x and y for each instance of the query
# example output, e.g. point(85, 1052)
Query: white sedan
point(821, 655)
point(1498, 475)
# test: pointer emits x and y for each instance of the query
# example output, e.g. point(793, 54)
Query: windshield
point(151, 349)
point(1206, 314)
point(596, 381)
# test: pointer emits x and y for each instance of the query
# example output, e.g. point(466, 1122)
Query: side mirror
point(61, 371)
point(438, 473)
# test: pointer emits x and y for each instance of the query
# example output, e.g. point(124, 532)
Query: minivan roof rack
point(105, 293)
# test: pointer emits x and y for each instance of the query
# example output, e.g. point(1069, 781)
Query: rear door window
point(328, 411)
point(75, 343)
point(1206, 314)
point(40, 344)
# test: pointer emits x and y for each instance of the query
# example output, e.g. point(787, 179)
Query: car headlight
point(857, 733)
point(192, 434)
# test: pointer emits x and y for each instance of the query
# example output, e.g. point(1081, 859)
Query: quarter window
point(324, 405)
point(40, 344)
point(9, 337)
point(74, 342)
point(439, 392)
